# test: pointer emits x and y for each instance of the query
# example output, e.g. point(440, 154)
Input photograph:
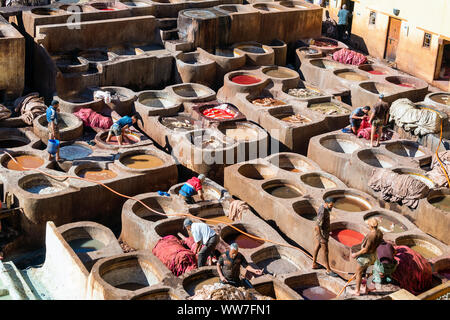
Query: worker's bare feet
point(315, 266)
point(353, 292)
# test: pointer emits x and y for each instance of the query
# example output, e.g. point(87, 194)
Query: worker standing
point(342, 25)
point(191, 187)
point(368, 253)
point(118, 128)
point(378, 119)
point(229, 267)
point(322, 230)
point(52, 125)
point(202, 234)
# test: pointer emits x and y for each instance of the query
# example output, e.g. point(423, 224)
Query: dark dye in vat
point(315, 293)
point(11, 143)
point(243, 241)
point(445, 273)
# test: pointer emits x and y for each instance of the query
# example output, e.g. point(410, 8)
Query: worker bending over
point(202, 234)
point(229, 267)
point(118, 128)
point(191, 187)
point(357, 116)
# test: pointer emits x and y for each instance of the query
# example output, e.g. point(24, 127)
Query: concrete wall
point(417, 16)
point(12, 61)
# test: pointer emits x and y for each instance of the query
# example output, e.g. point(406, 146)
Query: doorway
point(393, 37)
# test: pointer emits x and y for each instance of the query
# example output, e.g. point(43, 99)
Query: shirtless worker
point(202, 234)
point(52, 120)
point(118, 127)
point(322, 230)
point(368, 253)
point(229, 266)
point(192, 186)
point(378, 119)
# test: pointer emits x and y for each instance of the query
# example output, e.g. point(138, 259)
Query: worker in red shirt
point(191, 187)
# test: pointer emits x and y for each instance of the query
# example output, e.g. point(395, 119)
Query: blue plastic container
point(52, 146)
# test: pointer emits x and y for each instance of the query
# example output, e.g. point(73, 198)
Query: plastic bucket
point(52, 146)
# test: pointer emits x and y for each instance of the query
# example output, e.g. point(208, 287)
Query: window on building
point(426, 40)
point(372, 17)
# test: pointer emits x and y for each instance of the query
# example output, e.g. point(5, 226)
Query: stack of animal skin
point(220, 291)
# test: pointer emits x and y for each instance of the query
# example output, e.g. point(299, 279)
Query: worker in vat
point(52, 125)
point(191, 187)
point(322, 231)
point(229, 267)
point(368, 253)
point(357, 116)
point(118, 128)
point(378, 119)
point(202, 234)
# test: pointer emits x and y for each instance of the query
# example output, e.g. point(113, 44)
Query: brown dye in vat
point(241, 134)
point(178, 123)
point(328, 108)
point(283, 191)
point(243, 241)
point(315, 293)
point(97, 174)
point(441, 98)
point(26, 161)
point(267, 102)
point(353, 76)
point(197, 285)
point(142, 161)
point(387, 225)
point(295, 118)
point(132, 286)
point(279, 73)
point(424, 252)
point(215, 220)
point(441, 202)
point(349, 204)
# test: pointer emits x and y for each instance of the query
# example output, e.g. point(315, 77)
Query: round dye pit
point(202, 14)
point(128, 139)
point(42, 187)
point(292, 164)
point(85, 245)
point(329, 108)
point(315, 293)
point(373, 70)
point(157, 102)
point(350, 204)
point(425, 248)
point(388, 224)
point(441, 202)
point(374, 159)
point(215, 220)
point(327, 64)
point(352, 76)
point(190, 91)
point(277, 266)
point(159, 204)
point(280, 73)
point(267, 102)
point(243, 241)
point(97, 174)
point(293, 118)
point(208, 142)
point(74, 152)
point(324, 43)
point(340, 145)
point(24, 161)
point(283, 191)
point(13, 142)
point(95, 56)
point(405, 149)
point(142, 161)
point(347, 237)
point(442, 98)
point(192, 287)
point(241, 133)
point(378, 87)
point(221, 112)
point(178, 123)
point(245, 79)
point(318, 181)
point(304, 93)
point(252, 49)
point(256, 171)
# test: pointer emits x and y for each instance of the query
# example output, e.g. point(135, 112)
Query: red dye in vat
point(219, 113)
point(347, 237)
point(245, 79)
point(375, 72)
point(408, 85)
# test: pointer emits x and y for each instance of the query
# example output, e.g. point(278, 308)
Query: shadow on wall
point(358, 44)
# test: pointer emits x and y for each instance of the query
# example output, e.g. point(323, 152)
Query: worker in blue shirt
point(52, 120)
point(342, 25)
point(118, 128)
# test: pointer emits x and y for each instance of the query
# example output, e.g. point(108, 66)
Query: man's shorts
point(115, 130)
point(366, 260)
point(320, 238)
point(53, 132)
point(376, 123)
point(355, 122)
